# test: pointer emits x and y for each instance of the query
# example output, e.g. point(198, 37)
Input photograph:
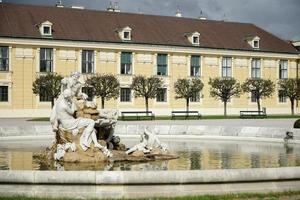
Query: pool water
point(194, 154)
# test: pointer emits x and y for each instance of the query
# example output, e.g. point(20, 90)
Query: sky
point(280, 17)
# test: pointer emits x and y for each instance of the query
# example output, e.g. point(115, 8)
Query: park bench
point(137, 115)
point(186, 114)
point(252, 114)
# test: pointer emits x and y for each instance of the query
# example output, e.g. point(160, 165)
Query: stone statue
point(62, 116)
point(74, 85)
point(148, 142)
point(65, 110)
point(84, 134)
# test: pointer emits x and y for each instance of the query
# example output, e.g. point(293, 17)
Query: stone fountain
point(84, 134)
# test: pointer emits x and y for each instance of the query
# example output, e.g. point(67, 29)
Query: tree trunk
point(258, 104)
point(147, 104)
point(225, 108)
point(187, 105)
point(102, 102)
point(292, 106)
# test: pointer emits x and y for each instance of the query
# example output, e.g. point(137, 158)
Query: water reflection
point(193, 155)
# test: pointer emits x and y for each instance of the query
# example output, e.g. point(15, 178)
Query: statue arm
point(72, 109)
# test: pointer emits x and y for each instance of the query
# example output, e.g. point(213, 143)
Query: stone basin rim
point(175, 137)
point(149, 177)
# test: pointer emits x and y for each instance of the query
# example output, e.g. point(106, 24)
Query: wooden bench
point(252, 114)
point(186, 114)
point(138, 115)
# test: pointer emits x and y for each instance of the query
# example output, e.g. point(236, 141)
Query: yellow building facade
point(26, 58)
point(24, 65)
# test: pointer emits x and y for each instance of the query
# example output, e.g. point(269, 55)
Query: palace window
point(283, 69)
point(255, 68)
point(3, 93)
point(89, 91)
point(46, 29)
point(125, 95)
point(162, 64)
point(226, 67)
point(195, 66)
point(44, 97)
point(125, 33)
point(282, 98)
point(126, 63)
point(256, 44)
point(195, 97)
point(194, 38)
point(161, 95)
point(253, 96)
point(46, 60)
point(4, 59)
point(87, 63)
point(253, 41)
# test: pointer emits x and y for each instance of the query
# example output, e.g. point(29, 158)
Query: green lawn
point(207, 117)
point(268, 196)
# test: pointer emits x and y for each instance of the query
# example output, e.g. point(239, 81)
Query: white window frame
point(130, 95)
point(127, 72)
point(260, 68)
point(166, 96)
point(46, 24)
point(50, 30)
point(190, 67)
point(121, 32)
point(198, 100)
point(253, 44)
point(285, 64)
point(52, 59)
point(8, 94)
point(193, 35)
point(226, 66)
point(87, 61)
point(197, 38)
point(129, 35)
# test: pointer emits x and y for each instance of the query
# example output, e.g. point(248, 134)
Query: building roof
point(93, 25)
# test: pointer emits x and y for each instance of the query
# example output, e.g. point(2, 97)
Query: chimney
point(116, 7)
point(110, 7)
point(178, 12)
point(113, 8)
point(201, 17)
point(77, 7)
point(59, 4)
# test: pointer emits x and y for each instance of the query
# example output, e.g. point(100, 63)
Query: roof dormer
point(253, 41)
point(125, 33)
point(46, 29)
point(194, 38)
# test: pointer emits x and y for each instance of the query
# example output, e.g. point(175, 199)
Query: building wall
point(24, 68)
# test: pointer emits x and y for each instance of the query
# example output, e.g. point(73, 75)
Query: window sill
point(6, 72)
point(163, 76)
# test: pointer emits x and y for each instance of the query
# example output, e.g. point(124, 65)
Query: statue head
point(67, 94)
point(75, 75)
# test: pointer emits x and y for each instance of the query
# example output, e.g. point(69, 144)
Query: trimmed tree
point(290, 88)
point(146, 87)
point(260, 88)
point(48, 85)
point(186, 89)
point(105, 86)
point(224, 89)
